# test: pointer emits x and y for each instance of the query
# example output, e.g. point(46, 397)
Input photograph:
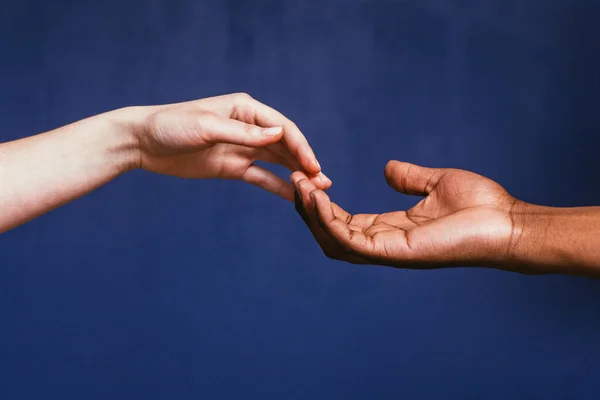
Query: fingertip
point(326, 181)
point(323, 185)
point(316, 164)
point(296, 177)
point(306, 183)
point(321, 181)
point(326, 186)
point(304, 188)
point(309, 163)
point(390, 167)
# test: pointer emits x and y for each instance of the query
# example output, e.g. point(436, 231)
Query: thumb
point(411, 179)
point(217, 129)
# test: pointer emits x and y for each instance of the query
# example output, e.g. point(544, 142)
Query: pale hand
point(222, 137)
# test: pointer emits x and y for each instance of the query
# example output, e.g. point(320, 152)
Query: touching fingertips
point(300, 183)
point(324, 178)
point(310, 163)
point(320, 181)
point(294, 180)
point(296, 177)
point(305, 188)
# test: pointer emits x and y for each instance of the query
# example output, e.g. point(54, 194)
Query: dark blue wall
point(154, 287)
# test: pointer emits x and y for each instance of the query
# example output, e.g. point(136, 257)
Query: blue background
point(154, 287)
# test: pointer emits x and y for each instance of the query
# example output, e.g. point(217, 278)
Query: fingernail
point(317, 163)
point(324, 177)
point(274, 131)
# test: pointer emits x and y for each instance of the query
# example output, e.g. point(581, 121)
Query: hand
point(222, 137)
point(464, 218)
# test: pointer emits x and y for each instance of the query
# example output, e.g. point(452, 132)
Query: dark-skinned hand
point(463, 218)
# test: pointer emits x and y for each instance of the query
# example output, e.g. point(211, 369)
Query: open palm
point(463, 218)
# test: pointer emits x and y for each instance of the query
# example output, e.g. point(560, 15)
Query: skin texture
point(218, 137)
point(463, 219)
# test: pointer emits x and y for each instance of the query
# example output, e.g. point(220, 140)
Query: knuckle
point(206, 116)
point(293, 125)
point(161, 115)
point(154, 119)
point(205, 120)
point(242, 96)
point(250, 130)
point(390, 168)
point(160, 121)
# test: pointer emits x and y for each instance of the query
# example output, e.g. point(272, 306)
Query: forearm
point(556, 240)
point(43, 172)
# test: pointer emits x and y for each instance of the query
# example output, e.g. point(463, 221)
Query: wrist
point(529, 226)
point(550, 240)
point(128, 125)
